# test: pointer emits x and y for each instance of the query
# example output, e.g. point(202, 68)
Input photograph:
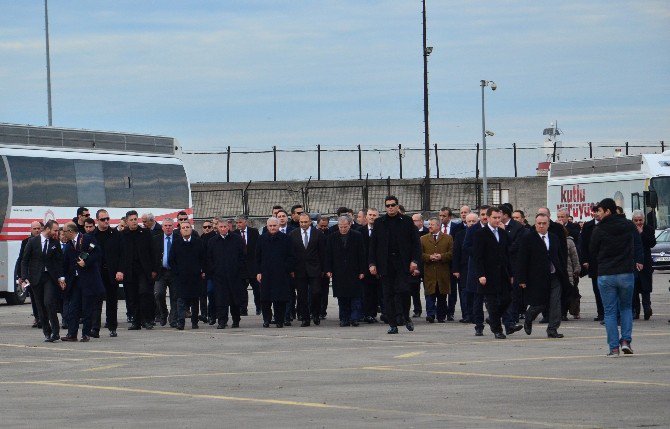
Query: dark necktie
point(44, 249)
point(305, 239)
point(552, 269)
point(435, 237)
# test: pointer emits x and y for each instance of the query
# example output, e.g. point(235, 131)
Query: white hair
point(272, 219)
point(639, 213)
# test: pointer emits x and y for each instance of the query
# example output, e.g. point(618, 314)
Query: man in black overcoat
point(250, 236)
point(492, 269)
point(275, 264)
point(109, 240)
point(371, 286)
point(138, 268)
point(346, 265)
point(225, 262)
point(459, 266)
point(309, 249)
point(590, 264)
point(395, 252)
point(186, 259)
point(542, 273)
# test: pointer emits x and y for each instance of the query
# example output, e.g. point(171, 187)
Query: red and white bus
point(46, 173)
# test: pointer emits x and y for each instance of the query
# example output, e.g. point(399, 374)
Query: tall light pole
point(426, 136)
point(485, 186)
point(46, 31)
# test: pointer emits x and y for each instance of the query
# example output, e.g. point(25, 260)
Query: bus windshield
point(662, 187)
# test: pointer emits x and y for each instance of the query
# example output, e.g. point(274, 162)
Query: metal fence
point(326, 199)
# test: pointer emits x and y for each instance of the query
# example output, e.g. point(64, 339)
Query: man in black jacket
point(109, 240)
point(542, 274)
point(162, 243)
point(612, 246)
point(371, 286)
point(35, 229)
point(309, 249)
point(137, 270)
point(589, 264)
point(250, 236)
point(395, 252)
point(42, 267)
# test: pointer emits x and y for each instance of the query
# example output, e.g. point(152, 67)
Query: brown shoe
point(69, 338)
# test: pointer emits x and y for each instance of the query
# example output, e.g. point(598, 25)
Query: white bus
point(46, 173)
point(634, 182)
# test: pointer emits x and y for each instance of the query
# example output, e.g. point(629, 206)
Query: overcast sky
point(253, 74)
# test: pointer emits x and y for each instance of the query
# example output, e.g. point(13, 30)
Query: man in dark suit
point(137, 270)
point(296, 211)
point(449, 227)
point(210, 230)
point(474, 301)
point(250, 236)
point(395, 252)
point(284, 226)
point(42, 268)
point(162, 243)
point(186, 260)
point(225, 265)
point(322, 224)
point(309, 248)
point(493, 269)
point(415, 281)
point(459, 267)
point(275, 264)
point(182, 216)
point(590, 264)
point(109, 240)
point(371, 285)
point(85, 289)
point(541, 273)
point(514, 231)
point(95, 302)
point(35, 229)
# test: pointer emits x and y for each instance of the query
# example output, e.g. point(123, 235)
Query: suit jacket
point(409, 245)
point(145, 251)
point(310, 260)
point(249, 270)
point(225, 260)
point(187, 262)
point(158, 243)
point(491, 260)
point(88, 277)
point(436, 274)
point(472, 283)
point(110, 242)
point(17, 266)
point(533, 267)
point(34, 261)
point(275, 261)
point(346, 263)
point(454, 228)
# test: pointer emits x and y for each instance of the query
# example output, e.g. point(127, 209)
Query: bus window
point(27, 180)
point(174, 186)
point(60, 184)
point(4, 192)
point(117, 184)
point(90, 183)
point(145, 186)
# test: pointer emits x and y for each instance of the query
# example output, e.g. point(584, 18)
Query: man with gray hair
point(250, 236)
point(149, 222)
point(275, 267)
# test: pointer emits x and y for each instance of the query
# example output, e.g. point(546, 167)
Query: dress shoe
point(344, 324)
point(235, 325)
point(266, 324)
point(554, 335)
point(464, 320)
point(636, 316)
point(416, 314)
point(564, 318)
point(202, 318)
point(134, 327)
point(180, 327)
point(528, 326)
point(286, 323)
point(430, 319)
point(48, 339)
point(54, 338)
point(148, 326)
point(173, 324)
point(647, 314)
point(499, 336)
point(222, 326)
point(450, 318)
point(440, 321)
point(212, 321)
point(304, 323)
point(258, 312)
point(95, 334)
point(113, 333)
point(195, 326)
point(409, 325)
point(68, 338)
point(281, 325)
point(85, 339)
point(392, 330)
point(479, 332)
point(35, 323)
point(317, 321)
point(163, 322)
point(512, 329)
point(354, 323)
point(323, 316)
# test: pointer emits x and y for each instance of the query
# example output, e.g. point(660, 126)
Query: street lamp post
point(46, 32)
point(426, 51)
point(485, 182)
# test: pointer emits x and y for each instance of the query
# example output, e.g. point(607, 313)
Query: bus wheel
point(15, 298)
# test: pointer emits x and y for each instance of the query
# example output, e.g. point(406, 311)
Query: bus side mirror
point(651, 199)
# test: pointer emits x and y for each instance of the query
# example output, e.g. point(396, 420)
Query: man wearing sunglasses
point(108, 239)
point(82, 214)
point(395, 252)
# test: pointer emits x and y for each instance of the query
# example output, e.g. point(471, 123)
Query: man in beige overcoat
point(436, 249)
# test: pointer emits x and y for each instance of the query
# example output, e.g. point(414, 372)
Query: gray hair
point(372, 209)
point(272, 219)
point(241, 217)
point(639, 213)
point(345, 218)
point(433, 218)
point(150, 216)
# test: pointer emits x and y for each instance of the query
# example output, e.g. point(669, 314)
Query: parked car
point(660, 254)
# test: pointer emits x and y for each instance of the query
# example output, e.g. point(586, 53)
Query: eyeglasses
point(391, 205)
point(104, 219)
point(206, 226)
point(86, 215)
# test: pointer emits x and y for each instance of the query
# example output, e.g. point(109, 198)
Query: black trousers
point(226, 299)
point(309, 297)
point(112, 303)
point(553, 308)
point(279, 307)
point(396, 293)
point(202, 300)
point(415, 291)
point(45, 294)
point(325, 292)
point(141, 295)
point(255, 289)
point(81, 306)
point(452, 298)
point(496, 305)
point(599, 300)
point(370, 296)
point(185, 304)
